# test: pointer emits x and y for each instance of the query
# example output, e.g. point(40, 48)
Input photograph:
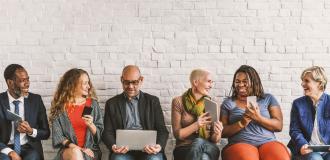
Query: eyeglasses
point(128, 82)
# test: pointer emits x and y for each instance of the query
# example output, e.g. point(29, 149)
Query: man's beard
point(17, 91)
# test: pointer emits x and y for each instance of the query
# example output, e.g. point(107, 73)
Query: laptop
point(135, 139)
point(212, 108)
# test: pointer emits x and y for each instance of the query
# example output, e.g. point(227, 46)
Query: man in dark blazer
point(134, 109)
point(21, 139)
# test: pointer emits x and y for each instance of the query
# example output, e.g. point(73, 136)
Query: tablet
point(135, 139)
point(13, 116)
point(319, 148)
point(212, 108)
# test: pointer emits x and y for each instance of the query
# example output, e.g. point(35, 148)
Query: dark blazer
point(302, 121)
point(151, 117)
point(34, 113)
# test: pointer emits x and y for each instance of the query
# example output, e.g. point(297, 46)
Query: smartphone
point(87, 111)
point(251, 101)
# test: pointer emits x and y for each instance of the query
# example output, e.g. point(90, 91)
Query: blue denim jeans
point(313, 156)
point(27, 153)
point(200, 149)
point(137, 155)
point(4, 157)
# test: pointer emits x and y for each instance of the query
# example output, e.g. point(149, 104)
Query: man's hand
point(152, 149)
point(24, 127)
point(14, 156)
point(305, 150)
point(120, 150)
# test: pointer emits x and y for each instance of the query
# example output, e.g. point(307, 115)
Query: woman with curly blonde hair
point(75, 132)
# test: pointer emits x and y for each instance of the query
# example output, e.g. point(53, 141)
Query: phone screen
point(251, 101)
point(87, 111)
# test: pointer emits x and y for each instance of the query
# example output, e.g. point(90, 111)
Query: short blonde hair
point(318, 75)
point(198, 74)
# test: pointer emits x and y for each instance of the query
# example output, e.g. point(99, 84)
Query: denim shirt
point(302, 121)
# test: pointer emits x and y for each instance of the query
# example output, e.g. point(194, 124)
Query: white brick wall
point(167, 39)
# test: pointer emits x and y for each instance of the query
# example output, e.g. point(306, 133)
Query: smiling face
point(19, 85)
point(83, 86)
point(203, 85)
point(310, 86)
point(242, 85)
point(131, 80)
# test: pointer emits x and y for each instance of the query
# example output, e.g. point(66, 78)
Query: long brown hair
point(65, 92)
point(254, 81)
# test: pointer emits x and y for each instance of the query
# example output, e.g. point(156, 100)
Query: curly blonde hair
point(65, 92)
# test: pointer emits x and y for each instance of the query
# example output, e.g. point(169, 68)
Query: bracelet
point(67, 143)
point(240, 124)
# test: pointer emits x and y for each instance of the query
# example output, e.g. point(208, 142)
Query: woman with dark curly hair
point(76, 135)
point(250, 127)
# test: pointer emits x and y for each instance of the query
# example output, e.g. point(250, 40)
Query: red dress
point(78, 124)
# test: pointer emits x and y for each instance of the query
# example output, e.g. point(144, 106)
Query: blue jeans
point(314, 156)
point(4, 157)
point(137, 155)
point(200, 149)
point(27, 153)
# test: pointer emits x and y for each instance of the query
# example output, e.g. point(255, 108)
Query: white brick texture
point(167, 39)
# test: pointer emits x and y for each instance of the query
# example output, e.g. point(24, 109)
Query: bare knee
point(72, 154)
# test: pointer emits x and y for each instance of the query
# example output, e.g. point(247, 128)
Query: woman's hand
point(88, 119)
point(245, 120)
point(203, 120)
point(72, 145)
point(217, 128)
point(253, 112)
point(88, 151)
point(305, 150)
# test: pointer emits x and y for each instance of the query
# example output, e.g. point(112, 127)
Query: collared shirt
point(23, 136)
point(132, 113)
point(315, 138)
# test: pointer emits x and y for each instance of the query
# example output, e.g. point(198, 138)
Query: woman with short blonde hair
point(317, 74)
point(310, 116)
point(195, 139)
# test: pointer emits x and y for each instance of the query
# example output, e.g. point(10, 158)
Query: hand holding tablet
point(13, 116)
point(319, 148)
